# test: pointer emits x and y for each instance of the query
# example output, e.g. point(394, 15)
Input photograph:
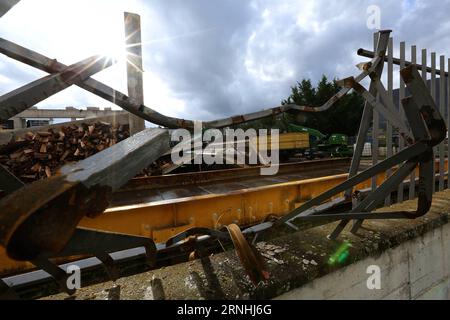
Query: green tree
point(343, 117)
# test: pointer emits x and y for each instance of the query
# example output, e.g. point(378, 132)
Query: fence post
point(448, 123)
point(433, 95)
point(390, 87)
point(412, 177)
point(376, 124)
point(401, 143)
point(442, 110)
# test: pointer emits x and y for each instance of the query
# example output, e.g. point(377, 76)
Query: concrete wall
point(416, 269)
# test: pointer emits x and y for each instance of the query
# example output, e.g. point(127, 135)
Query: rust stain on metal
point(276, 111)
point(238, 119)
point(407, 74)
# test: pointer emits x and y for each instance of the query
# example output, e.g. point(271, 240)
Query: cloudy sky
point(205, 59)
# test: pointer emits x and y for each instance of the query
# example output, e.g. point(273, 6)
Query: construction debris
point(270, 251)
point(39, 155)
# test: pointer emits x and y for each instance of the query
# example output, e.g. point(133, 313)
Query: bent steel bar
point(86, 242)
point(403, 155)
point(425, 104)
point(428, 128)
point(31, 219)
point(196, 231)
point(426, 165)
point(381, 47)
point(25, 97)
point(52, 66)
point(387, 111)
point(377, 196)
point(370, 54)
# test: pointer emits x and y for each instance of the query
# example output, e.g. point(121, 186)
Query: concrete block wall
point(416, 269)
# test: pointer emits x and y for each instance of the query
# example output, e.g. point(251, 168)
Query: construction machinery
point(323, 145)
point(309, 143)
point(40, 222)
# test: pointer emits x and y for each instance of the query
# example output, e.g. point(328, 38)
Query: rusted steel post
point(423, 67)
point(134, 66)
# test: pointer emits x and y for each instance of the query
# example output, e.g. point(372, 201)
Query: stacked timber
point(38, 155)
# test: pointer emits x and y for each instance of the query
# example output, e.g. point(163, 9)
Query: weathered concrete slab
point(300, 265)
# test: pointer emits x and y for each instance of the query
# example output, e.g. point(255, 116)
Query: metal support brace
point(412, 151)
point(386, 108)
point(19, 100)
point(428, 129)
point(383, 40)
point(86, 242)
point(420, 109)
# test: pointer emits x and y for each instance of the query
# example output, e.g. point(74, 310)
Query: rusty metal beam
point(132, 105)
point(27, 96)
point(32, 221)
point(370, 54)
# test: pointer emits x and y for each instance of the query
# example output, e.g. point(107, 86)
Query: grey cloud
point(227, 57)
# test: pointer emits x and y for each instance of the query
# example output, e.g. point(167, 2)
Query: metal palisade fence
point(439, 86)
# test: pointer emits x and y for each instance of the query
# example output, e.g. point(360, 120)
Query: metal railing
point(439, 87)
